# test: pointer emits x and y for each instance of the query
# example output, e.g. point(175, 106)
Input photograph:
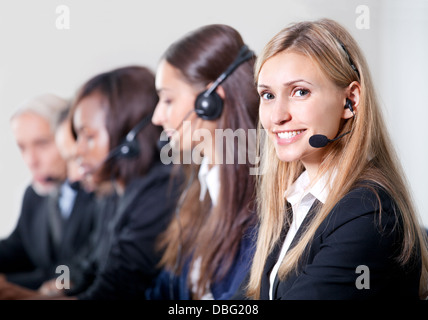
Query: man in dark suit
point(56, 218)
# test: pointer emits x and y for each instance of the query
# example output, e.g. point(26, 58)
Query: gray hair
point(48, 106)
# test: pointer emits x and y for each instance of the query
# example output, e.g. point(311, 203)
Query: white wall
point(403, 87)
point(36, 57)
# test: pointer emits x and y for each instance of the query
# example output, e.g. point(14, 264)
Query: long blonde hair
point(322, 41)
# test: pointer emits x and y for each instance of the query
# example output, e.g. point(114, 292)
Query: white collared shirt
point(66, 199)
point(209, 179)
point(194, 277)
point(301, 198)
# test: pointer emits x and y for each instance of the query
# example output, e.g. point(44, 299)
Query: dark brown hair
point(214, 235)
point(130, 95)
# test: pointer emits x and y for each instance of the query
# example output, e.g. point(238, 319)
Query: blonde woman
point(336, 217)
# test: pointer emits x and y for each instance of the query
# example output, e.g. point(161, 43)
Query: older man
point(55, 222)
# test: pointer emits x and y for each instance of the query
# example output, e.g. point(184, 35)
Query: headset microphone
point(130, 148)
point(53, 179)
point(208, 104)
point(320, 140)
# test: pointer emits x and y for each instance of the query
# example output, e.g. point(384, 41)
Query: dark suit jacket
point(129, 261)
point(29, 256)
point(88, 265)
point(353, 234)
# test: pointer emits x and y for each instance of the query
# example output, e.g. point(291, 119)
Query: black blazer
point(29, 256)
point(129, 259)
point(353, 234)
point(87, 266)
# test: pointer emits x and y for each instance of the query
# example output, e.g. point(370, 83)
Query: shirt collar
point(299, 188)
point(209, 179)
point(66, 199)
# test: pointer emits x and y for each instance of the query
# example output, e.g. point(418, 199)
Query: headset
point(130, 148)
point(348, 105)
point(320, 140)
point(208, 104)
point(351, 62)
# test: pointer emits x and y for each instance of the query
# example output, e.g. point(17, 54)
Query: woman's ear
point(353, 95)
point(220, 92)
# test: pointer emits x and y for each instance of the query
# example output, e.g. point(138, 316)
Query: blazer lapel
point(43, 238)
point(132, 191)
point(272, 259)
point(75, 222)
point(305, 223)
point(55, 223)
point(300, 232)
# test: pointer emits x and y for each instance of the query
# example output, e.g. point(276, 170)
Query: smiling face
point(296, 102)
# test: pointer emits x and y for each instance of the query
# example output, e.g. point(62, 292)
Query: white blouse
point(301, 197)
point(209, 178)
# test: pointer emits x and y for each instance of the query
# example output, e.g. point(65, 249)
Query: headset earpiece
point(130, 148)
point(208, 104)
point(348, 105)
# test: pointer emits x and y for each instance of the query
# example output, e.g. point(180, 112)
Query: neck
point(312, 169)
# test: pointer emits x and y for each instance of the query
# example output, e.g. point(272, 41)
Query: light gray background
point(36, 57)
